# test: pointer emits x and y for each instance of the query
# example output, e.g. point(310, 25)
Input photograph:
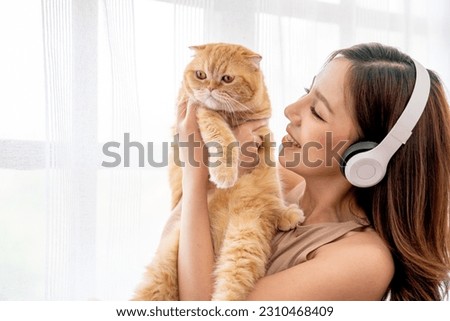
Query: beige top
point(293, 247)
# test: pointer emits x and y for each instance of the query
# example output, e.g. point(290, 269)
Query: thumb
point(191, 111)
point(187, 110)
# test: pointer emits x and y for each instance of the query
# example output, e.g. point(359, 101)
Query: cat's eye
point(227, 79)
point(200, 74)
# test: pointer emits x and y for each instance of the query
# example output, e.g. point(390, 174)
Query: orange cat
point(245, 212)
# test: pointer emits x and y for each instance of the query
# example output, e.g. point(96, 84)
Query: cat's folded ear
point(254, 58)
point(197, 49)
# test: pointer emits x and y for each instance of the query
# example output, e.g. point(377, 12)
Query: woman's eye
point(227, 79)
point(314, 112)
point(200, 74)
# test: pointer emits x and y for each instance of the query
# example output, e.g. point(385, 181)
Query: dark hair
point(409, 208)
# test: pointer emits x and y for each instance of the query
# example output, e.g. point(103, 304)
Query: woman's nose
point(292, 112)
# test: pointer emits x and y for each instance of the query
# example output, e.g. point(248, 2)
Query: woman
point(389, 240)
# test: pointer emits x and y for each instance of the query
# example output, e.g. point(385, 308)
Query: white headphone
point(364, 163)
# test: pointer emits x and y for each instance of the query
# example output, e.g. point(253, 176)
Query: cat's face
point(223, 77)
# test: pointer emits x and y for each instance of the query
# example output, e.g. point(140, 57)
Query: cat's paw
point(224, 176)
point(290, 218)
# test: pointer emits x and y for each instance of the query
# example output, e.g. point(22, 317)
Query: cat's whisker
point(233, 114)
point(229, 98)
point(230, 108)
point(231, 111)
point(226, 98)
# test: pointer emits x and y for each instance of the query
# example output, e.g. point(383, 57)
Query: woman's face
point(321, 125)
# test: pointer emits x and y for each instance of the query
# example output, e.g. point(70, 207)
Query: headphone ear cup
point(355, 149)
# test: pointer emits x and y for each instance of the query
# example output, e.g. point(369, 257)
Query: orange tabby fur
point(244, 212)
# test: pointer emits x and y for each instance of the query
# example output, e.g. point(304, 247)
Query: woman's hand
point(193, 154)
point(249, 142)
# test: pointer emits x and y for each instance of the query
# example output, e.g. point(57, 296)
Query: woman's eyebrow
point(312, 82)
point(325, 101)
point(321, 97)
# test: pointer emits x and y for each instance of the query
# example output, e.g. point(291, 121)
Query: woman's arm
point(195, 254)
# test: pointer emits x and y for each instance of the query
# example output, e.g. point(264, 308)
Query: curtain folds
point(71, 105)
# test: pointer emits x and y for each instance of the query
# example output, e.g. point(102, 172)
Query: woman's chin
point(289, 162)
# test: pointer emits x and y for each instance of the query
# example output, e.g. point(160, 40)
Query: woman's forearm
point(195, 255)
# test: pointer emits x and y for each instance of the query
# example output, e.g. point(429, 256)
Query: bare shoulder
point(366, 243)
point(359, 266)
point(365, 255)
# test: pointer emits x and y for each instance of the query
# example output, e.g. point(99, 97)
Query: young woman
point(389, 240)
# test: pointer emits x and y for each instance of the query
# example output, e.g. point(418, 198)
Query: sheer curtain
point(79, 74)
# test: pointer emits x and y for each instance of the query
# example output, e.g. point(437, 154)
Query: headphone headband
point(402, 129)
point(368, 168)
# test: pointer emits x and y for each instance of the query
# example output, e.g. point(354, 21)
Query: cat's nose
point(212, 85)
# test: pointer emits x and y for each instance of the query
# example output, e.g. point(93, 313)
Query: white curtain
point(78, 74)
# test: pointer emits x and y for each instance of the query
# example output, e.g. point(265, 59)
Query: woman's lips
point(288, 141)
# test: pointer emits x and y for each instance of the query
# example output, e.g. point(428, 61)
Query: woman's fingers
point(181, 110)
point(247, 132)
point(253, 125)
point(185, 109)
point(250, 139)
point(189, 138)
point(191, 113)
point(187, 119)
